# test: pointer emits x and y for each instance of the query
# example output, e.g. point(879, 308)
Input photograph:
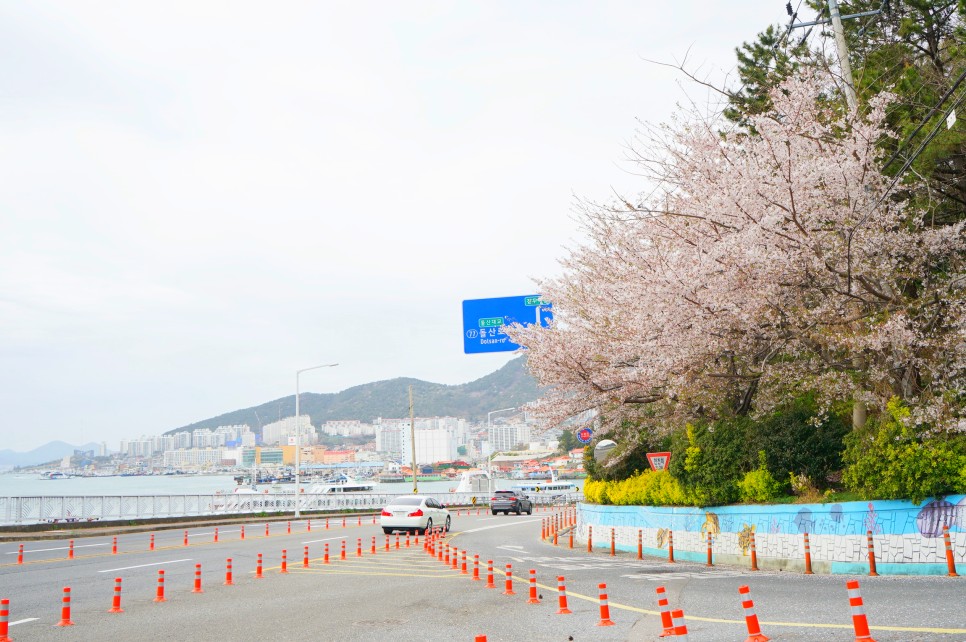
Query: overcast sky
point(201, 198)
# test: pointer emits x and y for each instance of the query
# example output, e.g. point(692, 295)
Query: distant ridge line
point(510, 386)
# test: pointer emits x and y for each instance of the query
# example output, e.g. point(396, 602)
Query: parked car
point(509, 501)
point(416, 513)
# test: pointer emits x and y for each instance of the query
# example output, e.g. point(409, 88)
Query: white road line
point(23, 621)
point(313, 541)
point(60, 548)
point(486, 528)
point(125, 568)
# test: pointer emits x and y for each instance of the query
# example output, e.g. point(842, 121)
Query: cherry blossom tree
point(754, 267)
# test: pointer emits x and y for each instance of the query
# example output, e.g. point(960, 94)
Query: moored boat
point(473, 481)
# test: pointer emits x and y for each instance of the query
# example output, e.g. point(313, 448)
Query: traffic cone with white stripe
point(4, 619)
point(532, 599)
point(666, 623)
point(604, 607)
point(751, 620)
point(859, 622)
point(680, 628)
point(562, 597)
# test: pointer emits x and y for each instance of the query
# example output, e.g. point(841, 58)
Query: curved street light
point(298, 435)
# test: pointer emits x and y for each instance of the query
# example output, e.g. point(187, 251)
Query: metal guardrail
point(71, 509)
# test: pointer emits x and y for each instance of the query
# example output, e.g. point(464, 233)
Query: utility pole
point(840, 44)
point(843, 49)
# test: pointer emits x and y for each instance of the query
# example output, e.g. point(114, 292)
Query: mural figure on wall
point(744, 538)
point(804, 521)
point(872, 520)
point(711, 524)
point(836, 513)
point(934, 516)
point(661, 537)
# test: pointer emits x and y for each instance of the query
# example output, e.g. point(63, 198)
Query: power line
point(911, 159)
point(925, 120)
point(924, 143)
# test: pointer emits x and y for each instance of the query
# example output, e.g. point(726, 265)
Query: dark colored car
point(509, 501)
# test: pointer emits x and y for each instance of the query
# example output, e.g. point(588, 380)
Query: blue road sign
point(485, 321)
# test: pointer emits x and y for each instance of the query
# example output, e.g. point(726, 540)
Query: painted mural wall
point(907, 537)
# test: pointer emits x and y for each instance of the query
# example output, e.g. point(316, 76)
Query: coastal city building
point(386, 443)
point(510, 436)
point(193, 458)
point(283, 431)
point(347, 428)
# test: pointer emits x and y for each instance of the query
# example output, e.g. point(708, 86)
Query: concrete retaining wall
point(908, 537)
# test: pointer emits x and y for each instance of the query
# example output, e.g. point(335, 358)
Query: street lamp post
point(298, 436)
point(489, 466)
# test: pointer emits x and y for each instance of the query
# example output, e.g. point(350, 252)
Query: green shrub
point(759, 485)
point(801, 442)
point(709, 460)
point(889, 459)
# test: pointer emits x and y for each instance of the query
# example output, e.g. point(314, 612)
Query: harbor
point(26, 499)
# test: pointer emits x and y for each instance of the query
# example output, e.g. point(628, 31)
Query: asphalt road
point(404, 594)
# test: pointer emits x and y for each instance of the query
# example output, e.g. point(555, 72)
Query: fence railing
point(69, 509)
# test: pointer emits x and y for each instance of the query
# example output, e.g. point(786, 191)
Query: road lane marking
point(486, 528)
point(438, 576)
point(809, 625)
point(313, 541)
point(59, 548)
point(212, 533)
point(126, 568)
point(814, 625)
point(23, 621)
point(687, 575)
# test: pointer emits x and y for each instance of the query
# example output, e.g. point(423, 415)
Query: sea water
point(32, 485)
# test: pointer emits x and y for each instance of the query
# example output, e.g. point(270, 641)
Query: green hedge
point(740, 459)
point(892, 459)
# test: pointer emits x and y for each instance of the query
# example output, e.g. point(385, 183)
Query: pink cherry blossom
point(752, 268)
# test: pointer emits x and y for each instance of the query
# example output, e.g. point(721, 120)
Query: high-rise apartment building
point(504, 437)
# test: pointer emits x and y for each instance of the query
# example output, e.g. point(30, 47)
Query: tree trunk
point(859, 412)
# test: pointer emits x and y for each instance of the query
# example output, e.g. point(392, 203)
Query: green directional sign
point(492, 322)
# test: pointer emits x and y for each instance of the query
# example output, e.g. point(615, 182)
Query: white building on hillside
point(504, 437)
point(437, 438)
point(193, 458)
point(278, 432)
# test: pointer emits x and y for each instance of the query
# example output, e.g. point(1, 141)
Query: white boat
point(282, 498)
point(551, 488)
point(473, 481)
point(341, 484)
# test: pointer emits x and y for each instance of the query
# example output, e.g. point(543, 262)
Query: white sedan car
point(416, 513)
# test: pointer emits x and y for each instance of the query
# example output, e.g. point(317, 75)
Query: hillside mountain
point(49, 452)
point(510, 386)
